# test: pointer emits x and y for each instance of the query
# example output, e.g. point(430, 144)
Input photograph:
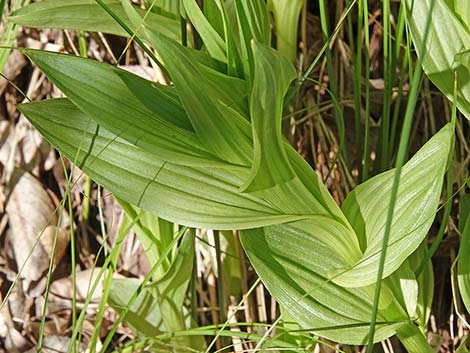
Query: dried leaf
point(84, 281)
point(32, 225)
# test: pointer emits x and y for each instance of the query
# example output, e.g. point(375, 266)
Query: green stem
point(365, 156)
point(401, 157)
point(140, 288)
point(338, 114)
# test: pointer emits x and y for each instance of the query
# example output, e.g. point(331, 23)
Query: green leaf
point(462, 9)
point(404, 286)
point(155, 121)
point(462, 348)
point(270, 164)
point(141, 112)
point(168, 7)
point(144, 315)
point(234, 64)
point(212, 40)
point(212, 14)
point(286, 17)
point(425, 284)
point(8, 31)
point(159, 306)
point(253, 24)
point(413, 339)
point(231, 91)
point(256, 19)
point(464, 210)
point(447, 38)
point(464, 252)
point(417, 201)
point(87, 15)
point(462, 58)
point(170, 290)
point(219, 127)
point(232, 265)
point(201, 197)
point(155, 235)
point(294, 261)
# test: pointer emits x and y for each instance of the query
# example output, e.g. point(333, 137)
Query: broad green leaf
point(447, 38)
point(294, 261)
point(144, 315)
point(464, 252)
point(234, 63)
point(462, 348)
point(462, 9)
point(200, 197)
point(167, 7)
point(464, 210)
point(87, 15)
point(286, 17)
point(253, 24)
point(148, 120)
point(142, 112)
point(425, 284)
point(212, 40)
point(270, 164)
point(170, 290)
point(404, 286)
point(413, 339)
point(155, 235)
point(159, 306)
point(9, 31)
point(256, 19)
point(212, 14)
point(219, 127)
point(417, 201)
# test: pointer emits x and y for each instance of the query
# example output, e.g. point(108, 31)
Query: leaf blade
point(441, 48)
point(153, 120)
point(198, 197)
point(417, 200)
point(86, 15)
point(270, 164)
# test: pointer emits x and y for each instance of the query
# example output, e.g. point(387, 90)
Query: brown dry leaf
point(32, 223)
point(56, 325)
point(146, 72)
point(62, 288)
point(23, 146)
point(15, 63)
point(56, 344)
point(15, 310)
point(84, 281)
point(15, 342)
point(34, 150)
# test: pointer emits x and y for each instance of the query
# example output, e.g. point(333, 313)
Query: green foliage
point(9, 31)
point(87, 15)
point(159, 306)
point(286, 15)
point(449, 40)
point(417, 200)
point(208, 152)
point(316, 280)
point(464, 250)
